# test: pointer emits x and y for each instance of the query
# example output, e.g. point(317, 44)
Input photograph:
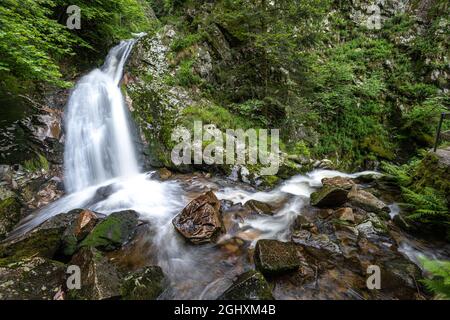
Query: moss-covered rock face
point(248, 286)
point(10, 213)
point(113, 232)
point(274, 257)
point(145, 284)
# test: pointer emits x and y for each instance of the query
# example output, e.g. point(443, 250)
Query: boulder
point(43, 241)
point(329, 196)
point(273, 257)
point(144, 284)
point(367, 201)
point(259, 207)
point(341, 182)
point(401, 277)
point(248, 286)
point(31, 279)
point(77, 231)
point(302, 222)
point(99, 278)
point(113, 232)
point(200, 221)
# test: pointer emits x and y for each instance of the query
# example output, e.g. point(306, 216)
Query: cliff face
point(336, 86)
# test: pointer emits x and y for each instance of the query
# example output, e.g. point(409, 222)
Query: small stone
point(346, 214)
point(274, 257)
point(248, 286)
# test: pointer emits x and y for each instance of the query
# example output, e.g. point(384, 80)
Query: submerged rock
point(259, 207)
point(144, 284)
point(249, 286)
point(200, 221)
point(99, 278)
point(274, 257)
point(31, 279)
point(113, 232)
point(329, 197)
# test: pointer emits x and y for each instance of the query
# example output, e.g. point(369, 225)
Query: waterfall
point(99, 144)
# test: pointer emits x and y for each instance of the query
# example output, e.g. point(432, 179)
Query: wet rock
point(163, 174)
point(77, 231)
point(372, 226)
point(43, 241)
point(345, 214)
point(10, 213)
point(367, 201)
point(341, 182)
point(144, 284)
point(311, 242)
point(303, 222)
point(329, 196)
point(274, 257)
point(400, 277)
point(31, 279)
point(113, 232)
point(103, 193)
point(99, 278)
point(248, 286)
point(200, 221)
point(259, 207)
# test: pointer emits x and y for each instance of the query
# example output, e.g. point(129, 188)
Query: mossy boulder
point(10, 213)
point(273, 257)
point(113, 232)
point(144, 284)
point(248, 286)
point(43, 241)
point(31, 279)
point(329, 197)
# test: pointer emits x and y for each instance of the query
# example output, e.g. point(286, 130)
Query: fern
point(429, 206)
point(401, 174)
point(439, 283)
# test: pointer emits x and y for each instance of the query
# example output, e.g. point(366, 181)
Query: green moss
point(112, 232)
point(43, 243)
point(36, 164)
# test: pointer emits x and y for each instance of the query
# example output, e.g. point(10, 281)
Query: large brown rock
point(200, 221)
point(341, 182)
point(329, 197)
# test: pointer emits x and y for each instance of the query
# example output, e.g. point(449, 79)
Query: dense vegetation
point(34, 39)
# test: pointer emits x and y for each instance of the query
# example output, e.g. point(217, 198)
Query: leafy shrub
point(439, 283)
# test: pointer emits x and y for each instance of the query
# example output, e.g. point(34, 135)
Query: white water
point(99, 143)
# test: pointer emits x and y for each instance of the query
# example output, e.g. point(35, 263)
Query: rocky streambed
point(312, 237)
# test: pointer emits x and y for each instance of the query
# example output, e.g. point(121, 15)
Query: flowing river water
point(100, 154)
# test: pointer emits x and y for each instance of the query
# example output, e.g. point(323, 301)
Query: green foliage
point(34, 38)
point(427, 206)
point(31, 42)
point(439, 283)
point(402, 174)
point(185, 76)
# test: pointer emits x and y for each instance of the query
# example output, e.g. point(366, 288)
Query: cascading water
point(99, 152)
point(98, 143)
